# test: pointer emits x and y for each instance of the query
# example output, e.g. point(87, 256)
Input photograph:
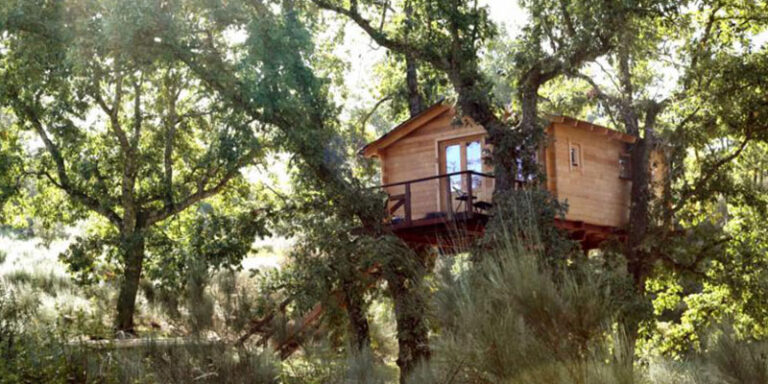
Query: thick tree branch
point(567, 20)
point(170, 130)
point(697, 259)
point(419, 52)
point(599, 93)
point(64, 182)
point(138, 118)
point(202, 192)
point(112, 112)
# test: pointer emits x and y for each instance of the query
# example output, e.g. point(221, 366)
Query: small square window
point(575, 154)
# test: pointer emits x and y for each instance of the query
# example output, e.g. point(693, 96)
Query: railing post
point(408, 203)
point(469, 194)
point(448, 196)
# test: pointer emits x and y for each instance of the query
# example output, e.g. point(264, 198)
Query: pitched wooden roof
point(403, 129)
point(598, 129)
point(406, 127)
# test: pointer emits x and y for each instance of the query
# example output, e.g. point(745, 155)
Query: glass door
point(464, 154)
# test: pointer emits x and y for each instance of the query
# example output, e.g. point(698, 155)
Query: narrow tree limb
point(112, 112)
point(364, 120)
point(64, 182)
point(712, 170)
point(700, 255)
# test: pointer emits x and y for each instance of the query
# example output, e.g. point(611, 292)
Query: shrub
point(738, 362)
point(512, 317)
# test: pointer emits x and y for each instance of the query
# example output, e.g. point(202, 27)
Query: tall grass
point(737, 362)
point(49, 282)
point(510, 317)
point(38, 352)
point(509, 313)
point(514, 315)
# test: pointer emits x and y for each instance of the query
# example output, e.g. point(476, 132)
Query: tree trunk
point(360, 338)
point(407, 291)
point(639, 259)
point(133, 251)
point(532, 134)
point(415, 102)
point(478, 107)
point(529, 100)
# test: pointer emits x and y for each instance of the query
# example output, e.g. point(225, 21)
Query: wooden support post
point(469, 195)
point(448, 197)
point(408, 203)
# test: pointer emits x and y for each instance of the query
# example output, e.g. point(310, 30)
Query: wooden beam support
point(408, 203)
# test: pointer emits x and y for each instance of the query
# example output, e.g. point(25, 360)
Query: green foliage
point(736, 362)
point(392, 85)
point(212, 237)
point(93, 258)
point(125, 131)
point(11, 162)
point(510, 317)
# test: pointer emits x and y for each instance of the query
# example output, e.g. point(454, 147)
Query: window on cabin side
point(575, 154)
point(625, 170)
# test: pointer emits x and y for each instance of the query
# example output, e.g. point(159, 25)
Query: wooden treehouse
point(439, 183)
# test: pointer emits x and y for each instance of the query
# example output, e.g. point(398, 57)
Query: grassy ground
point(48, 327)
point(32, 269)
point(64, 328)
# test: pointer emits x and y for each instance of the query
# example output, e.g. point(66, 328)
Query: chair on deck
point(463, 199)
point(483, 206)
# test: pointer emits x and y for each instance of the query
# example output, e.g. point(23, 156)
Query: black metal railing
point(465, 194)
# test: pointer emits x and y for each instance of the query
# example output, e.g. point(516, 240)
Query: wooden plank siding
point(416, 155)
point(594, 190)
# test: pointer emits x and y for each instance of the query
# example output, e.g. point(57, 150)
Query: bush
point(512, 317)
point(738, 362)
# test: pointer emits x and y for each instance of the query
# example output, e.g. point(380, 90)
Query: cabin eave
point(374, 148)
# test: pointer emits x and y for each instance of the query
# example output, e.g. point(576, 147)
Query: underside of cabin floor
point(458, 233)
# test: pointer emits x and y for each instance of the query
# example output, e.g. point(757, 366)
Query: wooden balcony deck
point(455, 226)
